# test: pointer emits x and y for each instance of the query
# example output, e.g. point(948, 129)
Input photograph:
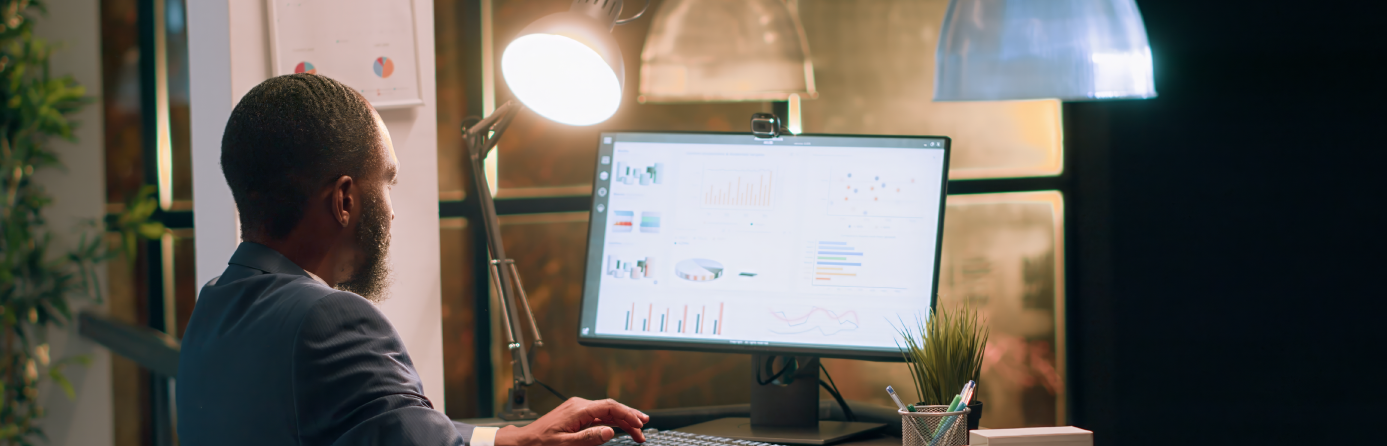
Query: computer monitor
point(799, 245)
point(806, 245)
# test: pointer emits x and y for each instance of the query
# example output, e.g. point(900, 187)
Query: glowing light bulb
point(561, 79)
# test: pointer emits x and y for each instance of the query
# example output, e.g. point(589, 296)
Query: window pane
point(179, 120)
point(120, 74)
point(549, 251)
point(1002, 253)
point(459, 318)
point(185, 286)
point(874, 67)
point(456, 68)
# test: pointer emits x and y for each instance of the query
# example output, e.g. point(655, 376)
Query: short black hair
point(289, 137)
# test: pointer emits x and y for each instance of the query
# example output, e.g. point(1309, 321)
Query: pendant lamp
point(724, 51)
point(1072, 50)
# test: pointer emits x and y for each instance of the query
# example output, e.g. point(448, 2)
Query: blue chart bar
point(680, 326)
point(840, 263)
point(662, 322)
point(833, 243)
point(645, 325)
point(841, 253)
point(628, 320)
point(715, 327)
point(698, 323)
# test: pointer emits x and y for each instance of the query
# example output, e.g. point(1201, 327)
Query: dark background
point(1227, 243)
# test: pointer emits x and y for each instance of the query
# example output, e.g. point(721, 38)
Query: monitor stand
point(785, 411)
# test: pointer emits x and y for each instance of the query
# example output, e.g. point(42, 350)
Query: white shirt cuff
point(483, 436)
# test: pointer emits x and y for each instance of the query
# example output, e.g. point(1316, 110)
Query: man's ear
point(343, 203)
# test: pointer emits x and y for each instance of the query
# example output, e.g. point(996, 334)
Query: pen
point(955, 406)
point(919, 428)
point(892, 392)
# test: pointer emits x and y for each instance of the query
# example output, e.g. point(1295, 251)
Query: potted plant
point(943, 353)
point(37, 286)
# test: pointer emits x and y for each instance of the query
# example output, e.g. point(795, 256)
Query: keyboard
point(675, 438)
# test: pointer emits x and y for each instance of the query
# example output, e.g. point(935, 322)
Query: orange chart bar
point(717, 325)
point(836, 274)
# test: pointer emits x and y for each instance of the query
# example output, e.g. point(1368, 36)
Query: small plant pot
point(974, 415)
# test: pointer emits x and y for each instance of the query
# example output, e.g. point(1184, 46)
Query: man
point(286, 346)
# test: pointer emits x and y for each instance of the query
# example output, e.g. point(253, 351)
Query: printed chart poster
point(366, 44)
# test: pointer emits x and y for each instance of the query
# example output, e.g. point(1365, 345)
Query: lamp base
point(517, 406)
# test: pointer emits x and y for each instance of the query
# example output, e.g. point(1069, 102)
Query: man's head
point(310, 165)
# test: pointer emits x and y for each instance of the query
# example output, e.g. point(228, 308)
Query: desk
point(667, 419)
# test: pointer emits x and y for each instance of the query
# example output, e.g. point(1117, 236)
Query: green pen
point(954, 406)
point(958, 401)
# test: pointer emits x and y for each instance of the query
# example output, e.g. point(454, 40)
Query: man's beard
point(373, 236)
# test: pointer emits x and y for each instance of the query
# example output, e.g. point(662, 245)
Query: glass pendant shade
point(1073, 50)
point(566, 66)
point(723, 51)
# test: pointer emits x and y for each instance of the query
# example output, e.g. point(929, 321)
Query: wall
point(229, 51)
point(78, 194)
point(1243, 233)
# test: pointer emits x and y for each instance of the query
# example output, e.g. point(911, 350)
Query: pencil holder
point(934, 426)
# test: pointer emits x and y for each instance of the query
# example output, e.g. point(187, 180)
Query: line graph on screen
point(817, 319)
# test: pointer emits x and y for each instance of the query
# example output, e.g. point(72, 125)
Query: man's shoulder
point(260, 301)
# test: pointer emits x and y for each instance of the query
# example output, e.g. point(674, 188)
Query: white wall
point(229, 52)
point(79, 193)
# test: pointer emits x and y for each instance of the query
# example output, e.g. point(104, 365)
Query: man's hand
point(577, 422)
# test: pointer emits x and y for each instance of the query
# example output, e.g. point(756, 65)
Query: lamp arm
point(634, 17)
point(480, 138)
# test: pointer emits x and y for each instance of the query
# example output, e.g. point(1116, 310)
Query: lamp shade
point(1073, 50)
point(566, 66)
point(725, 50)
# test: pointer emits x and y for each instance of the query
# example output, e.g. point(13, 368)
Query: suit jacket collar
point(257, 256)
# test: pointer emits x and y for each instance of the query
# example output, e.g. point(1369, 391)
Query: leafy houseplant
point(36, 288)
point(944, 352)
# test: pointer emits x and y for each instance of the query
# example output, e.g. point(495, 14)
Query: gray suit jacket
point(273, 357)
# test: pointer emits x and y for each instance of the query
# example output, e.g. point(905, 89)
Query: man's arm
point(355, 384)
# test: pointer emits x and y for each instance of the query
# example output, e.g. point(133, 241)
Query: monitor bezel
point(643, 344)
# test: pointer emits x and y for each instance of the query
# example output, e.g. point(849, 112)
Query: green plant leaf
point(151, 230)
point(61, 380)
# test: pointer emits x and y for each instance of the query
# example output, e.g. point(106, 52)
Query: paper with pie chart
point(366, 44)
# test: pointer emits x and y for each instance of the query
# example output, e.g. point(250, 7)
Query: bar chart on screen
point(638, 174)
point(738, 189)
point(631, 267)
point(860, 263)
point(702, 319)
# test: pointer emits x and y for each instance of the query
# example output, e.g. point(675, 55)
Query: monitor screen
point(820, 245)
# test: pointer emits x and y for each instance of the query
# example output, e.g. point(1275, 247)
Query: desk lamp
point(566, 67)
point(1077, 50)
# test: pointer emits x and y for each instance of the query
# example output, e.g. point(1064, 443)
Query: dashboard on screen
point(797, 244)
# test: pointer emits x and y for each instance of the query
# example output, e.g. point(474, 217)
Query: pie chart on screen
point(305, 67)
point(384, 67)
point(699, 270)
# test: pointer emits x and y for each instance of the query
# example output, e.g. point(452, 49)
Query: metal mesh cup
point(934, 426)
